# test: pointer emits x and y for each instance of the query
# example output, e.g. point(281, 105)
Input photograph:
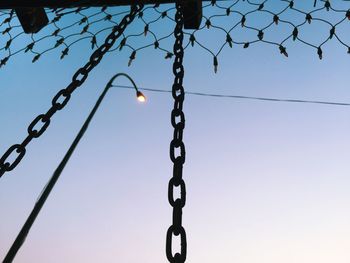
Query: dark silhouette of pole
point(50, 185)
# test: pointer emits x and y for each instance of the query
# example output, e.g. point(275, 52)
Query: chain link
point(177, 145)
point(42, 122)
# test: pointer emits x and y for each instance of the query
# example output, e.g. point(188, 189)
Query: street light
point(50, 185)
point(139, 95)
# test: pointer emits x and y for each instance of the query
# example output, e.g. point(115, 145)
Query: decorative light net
point(232, 23)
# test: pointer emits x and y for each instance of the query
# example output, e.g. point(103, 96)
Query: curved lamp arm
point(139, 94)
point(50, 185)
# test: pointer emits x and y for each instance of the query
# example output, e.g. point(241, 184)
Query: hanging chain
point(177, 145)
point(40, 123)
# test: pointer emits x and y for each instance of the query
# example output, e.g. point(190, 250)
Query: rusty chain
point(178, 122)
point(60, 100)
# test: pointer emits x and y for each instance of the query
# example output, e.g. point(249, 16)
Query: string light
point(66, 33)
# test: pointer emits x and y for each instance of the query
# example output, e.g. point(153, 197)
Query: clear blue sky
point(267, 182)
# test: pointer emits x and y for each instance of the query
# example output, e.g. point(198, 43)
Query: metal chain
point(177, 145)
point(41, 123)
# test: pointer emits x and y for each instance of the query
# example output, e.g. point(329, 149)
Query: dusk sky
point(267, 182)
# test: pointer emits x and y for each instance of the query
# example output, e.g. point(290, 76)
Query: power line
point(245, 97)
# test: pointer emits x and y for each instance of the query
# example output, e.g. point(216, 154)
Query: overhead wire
point(332, 103)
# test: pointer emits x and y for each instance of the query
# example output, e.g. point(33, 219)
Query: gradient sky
point(267, 182)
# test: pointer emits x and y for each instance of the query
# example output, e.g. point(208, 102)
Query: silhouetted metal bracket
point(193, 14)
point(32, 19)
point(32, 16)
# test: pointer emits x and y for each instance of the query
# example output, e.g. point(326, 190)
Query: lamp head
point(140, 96)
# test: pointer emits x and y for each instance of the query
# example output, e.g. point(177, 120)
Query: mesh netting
point(232, 23)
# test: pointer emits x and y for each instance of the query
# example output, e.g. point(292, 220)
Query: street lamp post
point(50, 185)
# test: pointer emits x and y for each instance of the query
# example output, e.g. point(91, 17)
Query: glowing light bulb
point(140, 96)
